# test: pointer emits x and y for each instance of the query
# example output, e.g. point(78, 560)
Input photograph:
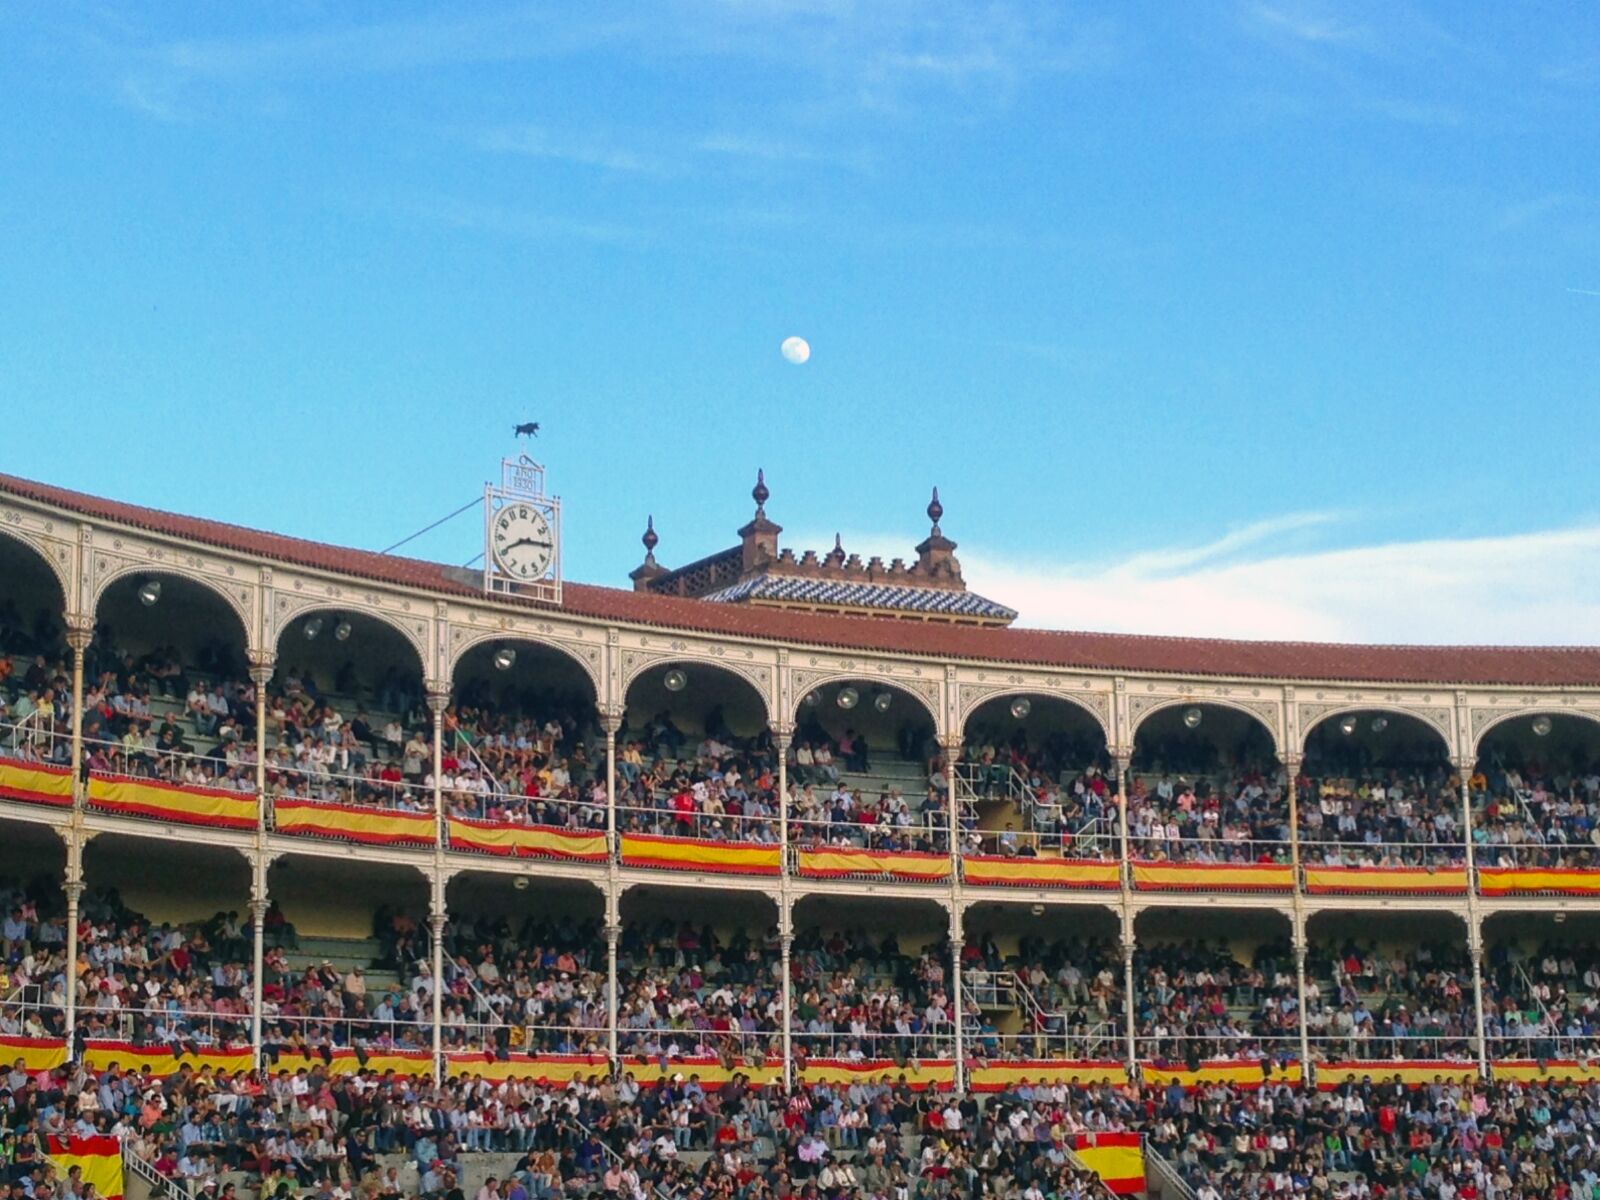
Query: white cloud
point(585, 151)
point(1536, 588)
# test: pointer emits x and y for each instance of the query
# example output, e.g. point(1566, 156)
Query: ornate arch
point(1313, 716)
point(290, 607)
point(237, 595)
point(981, 695)
point(636, 662)
point(1496, 718)
point(924, 692)
point(1142, 708)
point(57, 556)
point(464, 638)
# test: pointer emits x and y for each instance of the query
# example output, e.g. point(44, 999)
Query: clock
point(522, 541)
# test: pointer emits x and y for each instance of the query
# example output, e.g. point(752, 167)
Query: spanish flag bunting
point(99, 1157)
point(35, 782)
point(170, 802)
point(698, 854)
point(526, 841)
point(987, 870)
point(1117, 1158)
point(354, 823)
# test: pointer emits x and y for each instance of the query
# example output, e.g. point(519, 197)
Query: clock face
point(523, 542)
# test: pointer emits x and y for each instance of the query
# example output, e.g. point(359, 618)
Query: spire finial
point(838, 544)
point(759, 493)
point(650, 539)
point(935, 510)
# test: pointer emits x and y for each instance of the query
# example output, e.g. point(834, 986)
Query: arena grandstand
point(330, 872)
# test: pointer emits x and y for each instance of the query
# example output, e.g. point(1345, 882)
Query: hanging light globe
point(882, 701)
point(1192, 718)
point(1021, 707)
point(847, 698)
point(504, 658)
point(1542, 726)
point(675, 680)
point(149, 592)
point(312, 628)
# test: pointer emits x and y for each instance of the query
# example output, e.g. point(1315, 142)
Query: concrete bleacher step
point(344, 954)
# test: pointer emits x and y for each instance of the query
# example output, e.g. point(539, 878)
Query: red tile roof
point(1545, 666)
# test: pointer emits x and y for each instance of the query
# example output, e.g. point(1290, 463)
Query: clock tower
point(522, 533)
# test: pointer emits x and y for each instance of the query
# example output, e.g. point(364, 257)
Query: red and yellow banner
point(526, 841)
point(695, 854)
point(1240, 1073)
point(649, 1072)
point(993, 871)
point(1388, 881)
point(345, 1061)
point(169, 802)
point(353, 823)
point(559, 1069)
point(1549, 881)
point(1409, 1072)
point(1117, 1158)
point(35, 783)
point(925, 1074)
point(37, 1054)
point(985, 1076)
point(841, 863)
point(160, 1062)
point(1528, 1070)
point(1213, 877)
point(98, 1157)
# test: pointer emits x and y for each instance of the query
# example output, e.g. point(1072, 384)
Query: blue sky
point(1265, 319)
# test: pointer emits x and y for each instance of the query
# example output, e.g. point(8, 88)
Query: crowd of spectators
point(1377, 1139)
point(1390, 1003)
point(861, 996)
point(1532, 815)
point(1238, 817)
point(35, 688)
point(1544, 1004)
point(1050, 999)
point(1196, 1002)
point(1061, 788)
point(386, 1136)
point(1378, 818)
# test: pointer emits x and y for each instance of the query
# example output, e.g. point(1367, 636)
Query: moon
point(796, 349)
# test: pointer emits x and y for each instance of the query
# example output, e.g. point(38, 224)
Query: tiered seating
point(1368, 1004)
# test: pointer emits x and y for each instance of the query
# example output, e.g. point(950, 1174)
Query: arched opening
point(1541, 982)
point(168, 952)
point(348, 959)
point(700, 984)
point(1377, 790)
point(345, 719)
point(1206, 787)
point(525, 966)
point(167, 691)
point(1389, 986)
point(864, 771)
point(33, 922)
point(1036, 778)
point(35, 670)
point(1043, 983)
point(872, 980)
point(1535, 792)
point(695, 757)
point(522, 741)
point(1217, 987)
